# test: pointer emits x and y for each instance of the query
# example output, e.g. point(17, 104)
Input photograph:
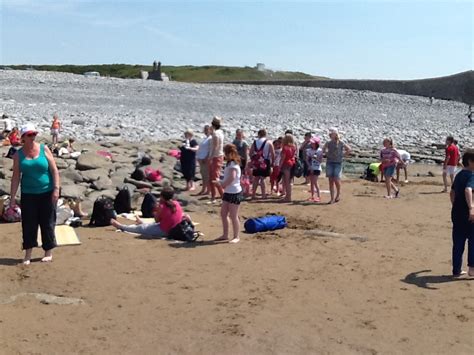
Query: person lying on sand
point(168, 213)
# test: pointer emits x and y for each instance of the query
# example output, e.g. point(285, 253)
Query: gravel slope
point(142, 110)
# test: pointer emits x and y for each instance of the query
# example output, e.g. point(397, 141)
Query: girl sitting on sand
point(389, 158)
point(168, 213)
point(232, 194)
point(314, 156)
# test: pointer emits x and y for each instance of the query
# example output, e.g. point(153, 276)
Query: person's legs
point(217, 173)
point(405, 169)
point(148, 229)
point(225, 221)
point(451, 176)
point(331, 188)
point(287, 183)
point(29, 223)
point(445, 181)
point(204, 169)
point(255, 183)
point(459, 240)
point(398, 173)
point(337, 182)
point(212, 189)
point(470, 250)
point(312, 179)
point(316, 187)
point(388, 184)
point(234, 217)
point(263, 187)
point(47, 222)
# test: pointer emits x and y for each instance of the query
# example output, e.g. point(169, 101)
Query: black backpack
point(298, 168)
point(102, 212)
point(123, 201)
point(146, 160)
point(148, 205)
point(138, 175)
point(183, 231)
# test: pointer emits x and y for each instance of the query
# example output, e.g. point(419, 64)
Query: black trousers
point(38, 210)
point(462, 231)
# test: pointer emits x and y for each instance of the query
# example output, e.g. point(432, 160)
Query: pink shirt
point(389, 157)
point(168, 219)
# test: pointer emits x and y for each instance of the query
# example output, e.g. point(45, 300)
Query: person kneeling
point(168, 213)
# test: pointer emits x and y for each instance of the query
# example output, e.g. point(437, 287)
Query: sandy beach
point(382, 287)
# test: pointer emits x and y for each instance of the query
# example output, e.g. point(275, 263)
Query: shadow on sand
point(424, 281)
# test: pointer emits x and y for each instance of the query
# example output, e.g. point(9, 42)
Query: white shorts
point(54, 132)
point(449, 170)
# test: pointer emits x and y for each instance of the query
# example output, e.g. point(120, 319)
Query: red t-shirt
point(168, 219)
point(14, 139)
point(452, 153)
point(288, 155)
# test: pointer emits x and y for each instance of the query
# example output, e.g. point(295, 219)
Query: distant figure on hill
point(469, 114)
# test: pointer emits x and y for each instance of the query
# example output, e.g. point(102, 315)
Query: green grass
point(187, 73)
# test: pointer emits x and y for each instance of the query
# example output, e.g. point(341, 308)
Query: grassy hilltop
point(187, 73)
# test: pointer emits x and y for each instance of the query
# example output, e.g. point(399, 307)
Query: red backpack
point(258, 161)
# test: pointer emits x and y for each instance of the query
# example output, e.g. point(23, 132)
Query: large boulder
point(61, 164)
point(89, 161)
point(73, 191)
point(107, 132)
point(71, 175)
point(96, 174)
point(103, 183)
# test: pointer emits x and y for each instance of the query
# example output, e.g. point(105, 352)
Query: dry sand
point(279, 292)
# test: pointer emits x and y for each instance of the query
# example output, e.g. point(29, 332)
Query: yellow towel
point(65, 235)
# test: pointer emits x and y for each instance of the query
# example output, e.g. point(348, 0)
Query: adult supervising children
point(262, 155)
point(216, 158)
point(451, 161)
point(35, 169)
point(462, 215)
point(202, 156)
point(335, 150)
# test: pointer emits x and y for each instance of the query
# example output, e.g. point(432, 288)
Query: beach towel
point(65, 235)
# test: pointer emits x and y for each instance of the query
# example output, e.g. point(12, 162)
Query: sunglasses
point(33, 134)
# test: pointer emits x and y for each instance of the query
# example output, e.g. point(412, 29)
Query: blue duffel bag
point(266, 223)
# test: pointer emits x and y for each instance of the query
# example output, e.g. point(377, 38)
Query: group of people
point(35, 169)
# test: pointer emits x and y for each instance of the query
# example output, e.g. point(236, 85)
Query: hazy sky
point(339, 39)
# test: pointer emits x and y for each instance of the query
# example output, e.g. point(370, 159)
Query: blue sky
point(339, 39)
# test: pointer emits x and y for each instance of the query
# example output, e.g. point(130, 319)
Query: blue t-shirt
point(460, 210)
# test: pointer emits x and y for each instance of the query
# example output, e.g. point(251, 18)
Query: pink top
point(389, 157)
point(168, 219)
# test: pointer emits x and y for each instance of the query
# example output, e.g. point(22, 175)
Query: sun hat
point(28, 128)
point(315, 140)
point(217, 120)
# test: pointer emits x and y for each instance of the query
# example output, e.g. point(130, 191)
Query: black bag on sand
point(184, 232)
point(138, 175)
point(146, 160)
point(148, 205)
point(123, 201)
point(298, 168)
point(102, 212)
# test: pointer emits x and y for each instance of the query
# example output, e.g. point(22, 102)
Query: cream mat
point(65, 235)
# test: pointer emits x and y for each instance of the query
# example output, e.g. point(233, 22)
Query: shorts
point(215, 168)
point(263, 172)
point(449, 170)
point(314, 172)
point(389, 171)
point(54, 132)
point(333, 170)
point(234, 199)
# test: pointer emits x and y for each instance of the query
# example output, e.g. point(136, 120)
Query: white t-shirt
point(277, 157)
point(218, 150)
point(404, 155)
point(266, 149)
point(204, 147)
point(234, 187)
point(315, 157)
point(8, 124)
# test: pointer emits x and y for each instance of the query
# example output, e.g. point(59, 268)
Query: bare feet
point(48, 256)
point(27, 258)
point(221, 239)
point(234, 240)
